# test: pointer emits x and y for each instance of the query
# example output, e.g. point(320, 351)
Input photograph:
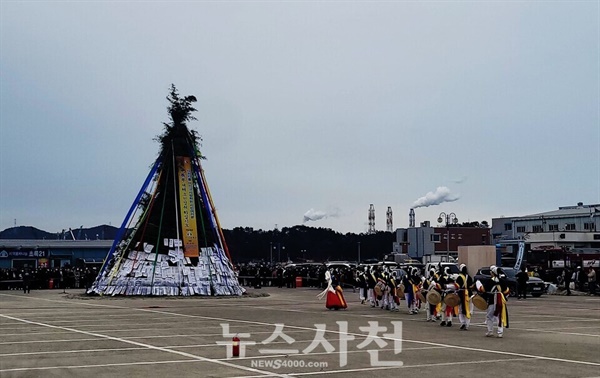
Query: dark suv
point(535, 286)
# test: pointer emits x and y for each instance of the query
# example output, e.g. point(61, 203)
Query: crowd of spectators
point(249, 274)
point(66, 277)
point(290, 275)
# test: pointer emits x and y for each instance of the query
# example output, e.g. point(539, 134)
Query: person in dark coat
point(567, 279)
point(257, 278)
point(27, 278)
point(522, 278)
point(581, 278)
point(279, 274)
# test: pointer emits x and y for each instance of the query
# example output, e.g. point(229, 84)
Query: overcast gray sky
point(318, 108)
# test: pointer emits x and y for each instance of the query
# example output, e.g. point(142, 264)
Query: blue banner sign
point(31, 253)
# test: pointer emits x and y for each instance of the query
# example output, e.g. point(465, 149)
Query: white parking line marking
point(120, 330)
point(557, 320)
point(47, 341)
point(148, 346)
point(113, 365)
point(560, 332)
point(586, 327)
point(100, 350)
point(132, 337)
point(392, 339)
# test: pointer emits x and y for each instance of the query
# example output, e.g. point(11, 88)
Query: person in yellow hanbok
point(464, 282)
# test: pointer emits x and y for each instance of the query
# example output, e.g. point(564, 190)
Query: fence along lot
point(52, 334)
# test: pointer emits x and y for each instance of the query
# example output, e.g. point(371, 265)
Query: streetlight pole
point(271, 252)
point(358, 253)
point(450, 218)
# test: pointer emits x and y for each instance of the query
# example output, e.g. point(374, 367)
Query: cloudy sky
point(308, 110)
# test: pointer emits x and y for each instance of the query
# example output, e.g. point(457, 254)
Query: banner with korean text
point(187, 207)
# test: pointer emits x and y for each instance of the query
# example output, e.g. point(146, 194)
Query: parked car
point(379, 265)
point(340, 265)
point(535, 286)
point(417, 265)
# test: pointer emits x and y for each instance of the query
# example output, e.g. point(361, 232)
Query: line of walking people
point(442, 295)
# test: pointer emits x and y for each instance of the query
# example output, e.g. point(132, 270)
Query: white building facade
point(569, 233)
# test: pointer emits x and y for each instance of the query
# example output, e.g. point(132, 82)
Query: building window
point(570, 227)
point(435, 238)
point(589, 226)
point(520, 228)
point(537, 228)
point(552, 227)
point(507, 226)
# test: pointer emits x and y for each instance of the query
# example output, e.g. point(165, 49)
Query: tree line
point(301, 243)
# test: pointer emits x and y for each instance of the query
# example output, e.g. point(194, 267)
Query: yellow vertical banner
point(187, 207)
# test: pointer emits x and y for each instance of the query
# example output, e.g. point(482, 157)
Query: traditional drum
point(379, 289)
point(421, 296)
point(451, 299)
point(400, 291)
point(479, 302)
point(433, 297)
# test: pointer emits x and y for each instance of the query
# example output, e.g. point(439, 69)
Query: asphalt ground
point(50, 334)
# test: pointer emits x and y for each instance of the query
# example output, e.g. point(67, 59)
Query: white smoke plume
point(315, 215)
point(441, 194)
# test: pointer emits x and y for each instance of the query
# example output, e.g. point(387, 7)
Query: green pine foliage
point(180, 111)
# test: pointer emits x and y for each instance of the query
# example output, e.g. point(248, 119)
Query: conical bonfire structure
point(170, 242)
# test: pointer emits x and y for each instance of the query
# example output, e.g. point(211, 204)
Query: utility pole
point(450, 218)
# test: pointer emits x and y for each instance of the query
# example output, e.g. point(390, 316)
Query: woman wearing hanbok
point(333, 292)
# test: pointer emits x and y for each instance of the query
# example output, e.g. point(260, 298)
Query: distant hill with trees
point(26, 232)
point(103, 232)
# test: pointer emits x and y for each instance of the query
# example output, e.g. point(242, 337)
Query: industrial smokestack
point(411, 218)
point(371, 219)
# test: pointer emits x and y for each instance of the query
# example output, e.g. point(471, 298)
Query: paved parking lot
point(50, 334)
